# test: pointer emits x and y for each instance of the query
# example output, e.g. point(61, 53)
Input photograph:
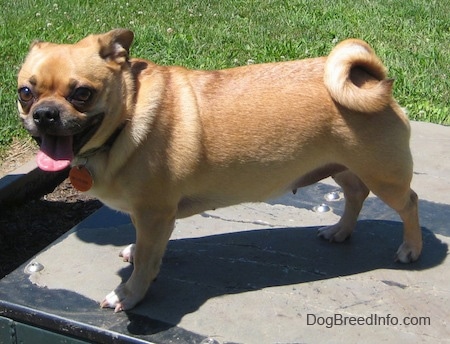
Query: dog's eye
point(82, 94)
point(25, 94)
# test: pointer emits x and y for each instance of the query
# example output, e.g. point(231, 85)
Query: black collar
point(107, 145)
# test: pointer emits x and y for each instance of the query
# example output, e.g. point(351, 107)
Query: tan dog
point(161, 143)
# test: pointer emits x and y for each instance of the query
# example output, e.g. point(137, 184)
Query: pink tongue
point(55, 153)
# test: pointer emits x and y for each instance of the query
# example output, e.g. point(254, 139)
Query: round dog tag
point(81, 178)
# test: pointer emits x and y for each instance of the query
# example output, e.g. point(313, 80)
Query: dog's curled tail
point(356, 77)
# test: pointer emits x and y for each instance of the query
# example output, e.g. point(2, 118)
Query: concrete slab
point(257, 273)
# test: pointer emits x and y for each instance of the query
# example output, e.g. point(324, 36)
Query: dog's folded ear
point(115, 45)
point(36, 42)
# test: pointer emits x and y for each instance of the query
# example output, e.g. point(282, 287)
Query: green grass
point(412, 38)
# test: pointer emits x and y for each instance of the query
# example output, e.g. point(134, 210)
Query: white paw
point(122, 299)
point(112, 301)
point(335, 233)
point(128, 253)
point(407, 253)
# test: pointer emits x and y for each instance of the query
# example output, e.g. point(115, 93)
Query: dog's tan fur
point(198, 140)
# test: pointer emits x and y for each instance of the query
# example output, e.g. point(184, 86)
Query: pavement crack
point(255, 222)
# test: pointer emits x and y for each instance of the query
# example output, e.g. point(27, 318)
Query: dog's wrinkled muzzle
point(58, 150)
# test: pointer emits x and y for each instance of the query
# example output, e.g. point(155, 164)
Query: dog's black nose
point(46, 115)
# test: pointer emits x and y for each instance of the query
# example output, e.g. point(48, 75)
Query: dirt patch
point(20, 152)
point(27, 229)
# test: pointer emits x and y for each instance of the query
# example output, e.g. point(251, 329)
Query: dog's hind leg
point(396, 193)
point(355, 192)
point(400, 197)
point(411, 247)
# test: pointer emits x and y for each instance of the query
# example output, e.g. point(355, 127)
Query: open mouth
point(57, 152)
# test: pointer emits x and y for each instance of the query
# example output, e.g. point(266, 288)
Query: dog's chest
point(110, 195)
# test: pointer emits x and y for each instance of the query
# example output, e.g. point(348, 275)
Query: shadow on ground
point(195, 270)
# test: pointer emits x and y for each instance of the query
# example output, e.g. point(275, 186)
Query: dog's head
point(72, 97)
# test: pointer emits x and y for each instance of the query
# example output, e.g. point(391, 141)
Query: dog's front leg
point(153, 230)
